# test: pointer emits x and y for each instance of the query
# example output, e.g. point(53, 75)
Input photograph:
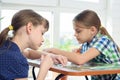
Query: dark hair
point(21, 18)
point(90, 18)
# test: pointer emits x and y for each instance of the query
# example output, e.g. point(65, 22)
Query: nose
point(75, 34)
point(42, 39)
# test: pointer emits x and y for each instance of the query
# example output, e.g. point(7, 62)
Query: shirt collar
point(95, 38)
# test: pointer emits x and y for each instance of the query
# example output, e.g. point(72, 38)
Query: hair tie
point(10, 32)
point(10, 27)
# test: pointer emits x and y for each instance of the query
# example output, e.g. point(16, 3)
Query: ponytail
point(3, 35)
point(7, 33)
point(105, 32)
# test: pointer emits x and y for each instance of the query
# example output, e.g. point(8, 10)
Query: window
point(67, 39)
point(32, 2)
point(95, 1)
point(7, 16)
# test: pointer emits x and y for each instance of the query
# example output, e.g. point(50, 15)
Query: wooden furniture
point(83, 70)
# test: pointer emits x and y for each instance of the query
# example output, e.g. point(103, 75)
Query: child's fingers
point(42, 57)
point(63, 60)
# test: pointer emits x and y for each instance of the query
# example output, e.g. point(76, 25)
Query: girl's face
point(83, 34)
point(36, 38)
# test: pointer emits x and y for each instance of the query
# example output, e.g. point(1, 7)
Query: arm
point(46, 63)
point(33, 54)
point(76, 58)
point(77, 50)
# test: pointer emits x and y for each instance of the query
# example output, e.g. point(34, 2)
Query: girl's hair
point(90, 18)
point(22, 18)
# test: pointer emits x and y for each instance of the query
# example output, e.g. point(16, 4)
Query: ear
point(93, 29)
point(29, 27)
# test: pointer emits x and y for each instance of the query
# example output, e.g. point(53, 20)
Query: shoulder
point(102, 39)
point(104, 44)
point(13, 63)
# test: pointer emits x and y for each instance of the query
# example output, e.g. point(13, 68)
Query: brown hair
point(21, 18)
point(90, 18)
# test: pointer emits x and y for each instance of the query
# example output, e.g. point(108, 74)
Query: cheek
point(40, 37)
point(83, 36)
point(37, 36)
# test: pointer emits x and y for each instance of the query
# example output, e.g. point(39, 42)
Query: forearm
point(46, 63)
point(69, 55)
point(34, 54)
point(74, 57)
point(42, 74)
point(84, 57)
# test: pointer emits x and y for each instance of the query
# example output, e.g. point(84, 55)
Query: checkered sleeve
point(102, 44)
point(107, 48)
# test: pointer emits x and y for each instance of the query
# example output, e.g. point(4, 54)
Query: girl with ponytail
point(26, 31)
point(97, 45)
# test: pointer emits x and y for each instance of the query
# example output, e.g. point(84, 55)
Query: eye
point(78, 31)
point(42, 33)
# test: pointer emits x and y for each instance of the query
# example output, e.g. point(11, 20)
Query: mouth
point(40, 44)
point(78, 40)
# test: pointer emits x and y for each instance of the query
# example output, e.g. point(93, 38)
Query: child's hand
point(59, 59)
point(56, 58)
point(46, 61)
point(77, 50)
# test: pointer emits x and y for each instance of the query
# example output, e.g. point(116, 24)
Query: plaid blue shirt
point(12, 63)
point(108, 54)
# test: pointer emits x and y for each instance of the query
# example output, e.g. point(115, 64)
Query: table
point(83, 70)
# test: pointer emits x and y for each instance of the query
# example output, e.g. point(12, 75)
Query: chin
point(35, 48)
point(40, 46)
point(80, 42)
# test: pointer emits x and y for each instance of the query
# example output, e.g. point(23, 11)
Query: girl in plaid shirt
point(97, 44)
